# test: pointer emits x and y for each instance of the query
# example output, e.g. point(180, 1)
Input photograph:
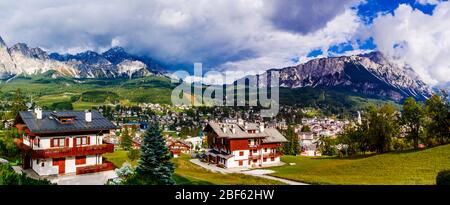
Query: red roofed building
point(56, 143)
point(243, 145)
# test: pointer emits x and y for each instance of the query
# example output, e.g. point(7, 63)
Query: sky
point(239, 35)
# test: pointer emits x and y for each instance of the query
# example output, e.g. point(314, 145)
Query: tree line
point(384, 129)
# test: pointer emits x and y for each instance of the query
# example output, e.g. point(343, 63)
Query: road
point(263, 173)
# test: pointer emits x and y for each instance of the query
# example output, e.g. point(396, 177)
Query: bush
point(134, 154)
point(10, 177)
point(443, 178)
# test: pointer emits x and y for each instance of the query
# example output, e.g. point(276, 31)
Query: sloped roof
point(48, 123)
point(269, 135)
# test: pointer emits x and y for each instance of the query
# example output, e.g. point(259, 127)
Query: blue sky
point(243, 35)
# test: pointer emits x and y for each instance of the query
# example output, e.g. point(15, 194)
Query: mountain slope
point(115, 63)
point(369, 74)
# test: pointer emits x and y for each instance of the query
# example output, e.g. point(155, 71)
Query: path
point(257, 172)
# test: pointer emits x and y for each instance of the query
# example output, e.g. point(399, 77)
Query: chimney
point(261, 127)
point(88, 116)
point(38, 112)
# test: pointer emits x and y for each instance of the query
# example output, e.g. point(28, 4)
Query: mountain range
point(370, 74)
point(114, 63)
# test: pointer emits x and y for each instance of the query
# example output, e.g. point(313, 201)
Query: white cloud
point(223, 34)
point(430, 2)
point(417, 39)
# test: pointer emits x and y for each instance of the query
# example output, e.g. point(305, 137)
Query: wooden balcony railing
point(66, 151)
point(106, 166)
point(276, 154)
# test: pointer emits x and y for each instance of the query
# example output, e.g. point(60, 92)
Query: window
point(265, 149)
point(265, 160)
point(272, 159)
point(79, 141)
point(255, 151)
point(241, 163)
point(80, 160)
point(58, 142)
point(61, 142)
point(241, 154)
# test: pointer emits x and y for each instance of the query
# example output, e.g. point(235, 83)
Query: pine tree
point(18, 104)
point(126, 141)
point(154, 166)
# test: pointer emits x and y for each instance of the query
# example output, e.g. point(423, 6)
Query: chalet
point(243, 145)
point(177, 147)
point(69, 142)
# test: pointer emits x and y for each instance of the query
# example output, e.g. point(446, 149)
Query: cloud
point(422, 41)
point(225, 34)
point(306, 16)
point(430, 2)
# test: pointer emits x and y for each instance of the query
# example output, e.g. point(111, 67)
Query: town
point(105, 145)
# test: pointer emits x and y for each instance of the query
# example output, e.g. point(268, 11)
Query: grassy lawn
point(187, 173)
point(119, 157)
point(400, 168)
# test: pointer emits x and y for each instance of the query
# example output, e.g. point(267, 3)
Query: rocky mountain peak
point(369, 74)
point(2, 43)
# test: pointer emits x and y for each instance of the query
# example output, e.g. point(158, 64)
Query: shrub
point(443, 178)
point(10, 177)
point(134, 154)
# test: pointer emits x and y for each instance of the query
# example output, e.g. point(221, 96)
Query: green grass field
point(187, 173)
point(401, 168)
point(119, 157)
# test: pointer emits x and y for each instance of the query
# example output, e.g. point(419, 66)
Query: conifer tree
point(126, 141)
point(154, 166)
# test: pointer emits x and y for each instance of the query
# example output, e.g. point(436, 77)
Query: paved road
point(99, 178)
point(256, 172)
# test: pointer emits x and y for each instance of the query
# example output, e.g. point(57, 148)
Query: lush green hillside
point(420, 167)
point(83, 94)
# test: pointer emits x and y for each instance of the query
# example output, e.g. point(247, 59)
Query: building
point(71, 142)
point(195, 142)
point(177, 147)
point(243, 145)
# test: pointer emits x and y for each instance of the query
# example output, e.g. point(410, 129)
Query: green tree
point(383, 126)
point(327, 146)
point(126, 141)
point(412, 118)
point(292, 147)
point(306, 128)
point(154, 166)
point(438, 114)
point(18, 104)
point(355, 139)
point(133, 154)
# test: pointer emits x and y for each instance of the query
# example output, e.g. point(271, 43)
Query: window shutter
point(52, 143)
point(88, 140)
point(67, 142)
point(74, 142)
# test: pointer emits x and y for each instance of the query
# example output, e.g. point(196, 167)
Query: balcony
point(106, 166)
point(254, 156)
point(66, 151)
point(276, 154)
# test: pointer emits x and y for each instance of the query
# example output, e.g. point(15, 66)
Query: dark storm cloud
point(306, 16)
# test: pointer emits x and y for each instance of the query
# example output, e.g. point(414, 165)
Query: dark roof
point(48, 123)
